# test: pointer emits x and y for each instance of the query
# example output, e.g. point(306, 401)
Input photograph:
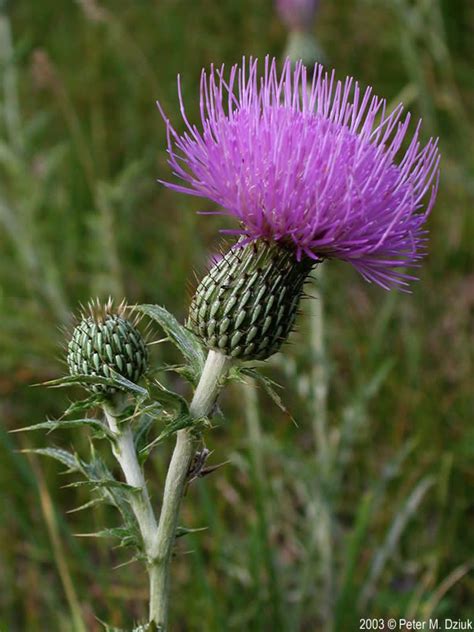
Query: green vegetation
point(373, 518)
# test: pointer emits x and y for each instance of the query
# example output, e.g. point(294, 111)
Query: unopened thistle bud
point(246, 306)
point(106, 343)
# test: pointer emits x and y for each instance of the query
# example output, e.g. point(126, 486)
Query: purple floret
point(312, 166)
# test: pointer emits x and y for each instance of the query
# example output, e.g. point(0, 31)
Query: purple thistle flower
point(297, 14)
point(310, 166)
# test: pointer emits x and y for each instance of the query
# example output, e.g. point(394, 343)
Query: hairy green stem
point(126, 454)
point(201, 406)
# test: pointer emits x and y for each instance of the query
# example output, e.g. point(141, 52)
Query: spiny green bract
point(106, 343)
point(246, 306)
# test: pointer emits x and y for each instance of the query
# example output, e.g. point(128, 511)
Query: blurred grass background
point(295, 541)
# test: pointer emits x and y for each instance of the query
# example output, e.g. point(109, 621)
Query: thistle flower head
point(297, 14)
point(105, 343)
point(317, 168)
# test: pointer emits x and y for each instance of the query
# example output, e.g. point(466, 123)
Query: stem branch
point(201, 406)
point(126, 454)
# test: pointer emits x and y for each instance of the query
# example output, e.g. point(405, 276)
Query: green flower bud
point(246, 306)
point(106, 342)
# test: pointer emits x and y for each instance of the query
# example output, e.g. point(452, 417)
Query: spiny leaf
point(126, 536)
point(184, 340)
point(115, 532)
point(102, 481)
point(140, 435)
point(63, 456)
point(55, 424)
point(142, 431)
point(268, 385)
point(107, 483)
point(128, 385)
point(168, 398)
point(182, 531)
point(116, 381)
point(91, 503)
point(83, 405)
point(153, 409)
point(74, 380)
point(180, 422)
point(184, 370)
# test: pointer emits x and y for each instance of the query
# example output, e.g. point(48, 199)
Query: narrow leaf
point(108, 484)
point(269, 387)
point(83, 405)
point(184, 340)
point(127, 385)
point(168, 398)
point(180, 422)
point(63, 456)
point(55, 424)
point(182, 531)
point(116, 381)
point(91, 503)
point(114, 532)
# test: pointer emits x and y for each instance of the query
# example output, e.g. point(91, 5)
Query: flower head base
point(105, 343)
point(312, 167)
point(246, 306)
point(297, 14)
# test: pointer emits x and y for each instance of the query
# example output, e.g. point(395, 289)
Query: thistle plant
point(310, 175)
